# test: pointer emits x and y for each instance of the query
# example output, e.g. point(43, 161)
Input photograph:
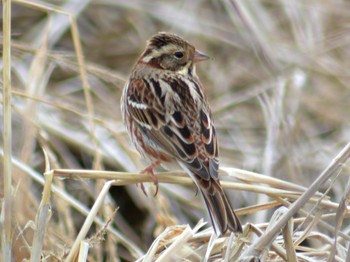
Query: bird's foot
point(149, 170)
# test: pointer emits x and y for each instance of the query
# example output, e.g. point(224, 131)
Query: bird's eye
point(179, 54)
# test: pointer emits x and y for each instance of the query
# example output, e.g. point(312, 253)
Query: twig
point(43, 214)
point(338, 161)
point(6, 234)
point(89, 220)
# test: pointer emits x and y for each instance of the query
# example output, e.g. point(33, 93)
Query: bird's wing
point(188, 136)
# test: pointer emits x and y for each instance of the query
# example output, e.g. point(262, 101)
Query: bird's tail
point(221, 214)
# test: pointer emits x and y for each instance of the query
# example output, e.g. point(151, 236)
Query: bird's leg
point(149, 170)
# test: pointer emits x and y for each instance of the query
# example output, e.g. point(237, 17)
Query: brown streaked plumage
point(169, 119)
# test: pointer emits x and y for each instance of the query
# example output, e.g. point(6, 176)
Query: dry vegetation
point(279, 88)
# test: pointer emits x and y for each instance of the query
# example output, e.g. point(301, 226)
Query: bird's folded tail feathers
point(222, 216)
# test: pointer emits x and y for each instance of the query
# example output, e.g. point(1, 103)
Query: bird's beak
point(199, 56)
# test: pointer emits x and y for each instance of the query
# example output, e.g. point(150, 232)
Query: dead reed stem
point(6, 211)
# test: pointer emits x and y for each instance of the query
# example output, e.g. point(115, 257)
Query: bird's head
point(170, 52)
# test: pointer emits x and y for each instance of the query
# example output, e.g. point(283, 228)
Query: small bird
point(169, 120)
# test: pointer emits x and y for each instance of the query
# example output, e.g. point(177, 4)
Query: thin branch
point(260, 244)
point(6, 242)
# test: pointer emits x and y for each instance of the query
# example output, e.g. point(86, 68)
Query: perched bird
point(169, 120)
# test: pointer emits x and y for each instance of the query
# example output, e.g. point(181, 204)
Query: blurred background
point(278, 85)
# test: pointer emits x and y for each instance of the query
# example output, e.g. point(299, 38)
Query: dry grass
point(278, 86)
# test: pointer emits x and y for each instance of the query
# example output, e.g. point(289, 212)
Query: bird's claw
point(149, 170)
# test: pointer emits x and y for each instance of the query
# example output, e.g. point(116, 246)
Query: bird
point(169, 120)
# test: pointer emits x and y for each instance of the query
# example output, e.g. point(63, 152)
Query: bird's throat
point(187, 69)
